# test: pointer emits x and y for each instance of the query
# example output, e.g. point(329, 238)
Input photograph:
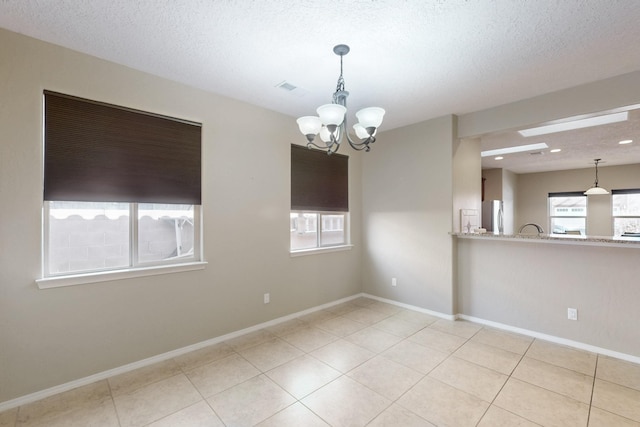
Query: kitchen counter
point(617, 241)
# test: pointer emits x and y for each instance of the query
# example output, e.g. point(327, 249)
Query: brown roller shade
point(319, 182)
point(105, 153)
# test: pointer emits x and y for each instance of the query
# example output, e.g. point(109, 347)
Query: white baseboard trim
point(412, 307)
point(32, 397)
point(552, 338)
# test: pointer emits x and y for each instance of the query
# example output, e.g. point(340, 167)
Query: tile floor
point(361, 363)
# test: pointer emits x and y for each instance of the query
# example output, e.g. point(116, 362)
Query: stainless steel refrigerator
point(493, 216)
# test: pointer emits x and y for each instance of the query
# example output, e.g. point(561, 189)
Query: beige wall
point(530, 286)
point(534, 189)
point(49, 337)
point(467, 188)
point(407, 207)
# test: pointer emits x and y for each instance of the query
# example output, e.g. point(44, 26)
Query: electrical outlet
point(267, 298)
point(394, 282)
point(572, 313)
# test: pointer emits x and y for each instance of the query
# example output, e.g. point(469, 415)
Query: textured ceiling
point(418, 59)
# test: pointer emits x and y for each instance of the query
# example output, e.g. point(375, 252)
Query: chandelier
point(331, 122)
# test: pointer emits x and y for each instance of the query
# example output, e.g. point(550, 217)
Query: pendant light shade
point(360, 131)
point(595, 190)
point(331, 114)
point(309, 125)
point(370, 117)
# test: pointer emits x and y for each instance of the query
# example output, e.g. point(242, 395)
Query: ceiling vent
point(291, 88)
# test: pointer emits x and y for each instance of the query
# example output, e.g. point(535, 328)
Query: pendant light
point(595, 190)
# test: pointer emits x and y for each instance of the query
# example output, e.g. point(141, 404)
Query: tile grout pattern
point(360, 363)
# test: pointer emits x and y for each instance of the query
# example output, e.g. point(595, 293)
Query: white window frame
point(614, 216)
point(551, 217)
point(135, 267)
point(320, 246)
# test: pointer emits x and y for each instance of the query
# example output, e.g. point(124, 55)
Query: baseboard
point(552, 338)
point(412, 307)
point(32, 397)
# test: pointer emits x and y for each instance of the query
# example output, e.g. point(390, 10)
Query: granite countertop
point(619, 241)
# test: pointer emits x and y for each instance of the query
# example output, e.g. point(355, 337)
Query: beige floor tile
point(459, 328)
point(366, 316)
point(373, 339)
point(541, 406)
point(397, 326)
point(98, 414)
point(198, 415)
point(133, 380)
point(498, 417)
point(270, 354)
point(362, 301)
point(385, 308)
point(600, 418)
point(340, 309)
point(288, 327)
point(617, 399)
point(509, 341)
point(415, 356)
point(422, 319)
point(203, 356)
point(442, 404)
point(222, 374)
point(341, 326)
point(495, 358)
point(437, 340)
point(323, 315)
point(309, 338)
point(251, 339)
point(386, 377)
point(303, 375)
point(250, 402)
point(64, 403)
point(566, 357)
point(345, 402)
point(156, 401)
point(342, 355)
point(296, 415)
point(396, 416)
point(480, 382)
point(619, 372)
point(9, 417)
point(551, 377)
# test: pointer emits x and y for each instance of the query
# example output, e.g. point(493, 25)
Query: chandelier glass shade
point(331, 122)
point(595, 190)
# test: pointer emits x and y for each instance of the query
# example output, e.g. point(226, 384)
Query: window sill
point(105, 276)
point(304, 252)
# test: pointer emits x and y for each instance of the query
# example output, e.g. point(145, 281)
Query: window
point(305, 233)
point(626, 211)
point(319, 199)
point(121, 188)
point(568, 213)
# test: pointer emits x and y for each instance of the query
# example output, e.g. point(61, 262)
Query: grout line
point(593, 387)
